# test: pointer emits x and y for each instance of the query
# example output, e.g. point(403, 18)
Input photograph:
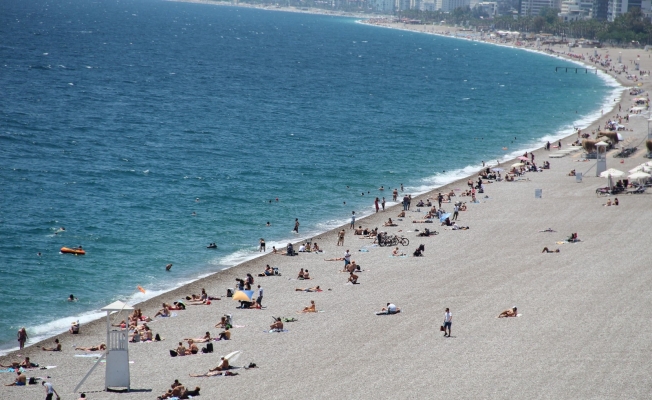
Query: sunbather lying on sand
point(312, 289)
point(206, 338)
point(401, 214)
point(548, 230)
point(457, 227)
point(101, 346)
point(334, 259)
point(391, 309)
point(508, 313)
point(311, 308)
point(181, 392)
point(57, 346)
point(214, 373)
point(547, 250)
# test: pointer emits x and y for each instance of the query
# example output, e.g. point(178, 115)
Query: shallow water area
point(149, 129)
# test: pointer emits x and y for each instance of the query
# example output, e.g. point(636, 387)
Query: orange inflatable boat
point(72, 251)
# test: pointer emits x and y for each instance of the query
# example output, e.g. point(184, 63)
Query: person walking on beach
point(49, 391)
point(440, 198)
point(456, 212)
point(340, 237)
point(377, 204)
point(262, 245)
point(296, 225)
point(448, 319)
point(352, 225)
point(22, 337)
point(395, 194)
point(259, 300)
point(405, 203)
point(383, 204)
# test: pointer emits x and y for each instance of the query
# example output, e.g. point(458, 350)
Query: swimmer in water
point(268, 224)
point(168, 267)
point(194, 214)
point(39, 254)
point(72, 298)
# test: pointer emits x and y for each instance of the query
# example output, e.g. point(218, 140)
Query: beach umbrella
point(518, 164)
point(522, 158)
point(619, 136)
point(444, 216)
point(243, 295)
point(637, 169)
point(639, 175)
point(612, 172)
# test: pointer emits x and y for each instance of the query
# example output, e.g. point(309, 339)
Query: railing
point(118, 340)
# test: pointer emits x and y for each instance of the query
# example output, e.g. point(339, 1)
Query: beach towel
point(89, 355)
point(276, 331)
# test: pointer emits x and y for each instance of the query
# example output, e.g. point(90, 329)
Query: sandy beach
point(582, 332)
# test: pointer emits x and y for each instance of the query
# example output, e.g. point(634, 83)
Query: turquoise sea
point(149, 129)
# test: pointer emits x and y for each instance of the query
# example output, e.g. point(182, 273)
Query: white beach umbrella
point(636, 169)
point(639, 175)
point(518, 164)
point(612, 172)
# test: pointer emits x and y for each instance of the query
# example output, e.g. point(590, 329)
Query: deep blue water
point(115, 116)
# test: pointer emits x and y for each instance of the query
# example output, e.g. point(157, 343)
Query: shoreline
point(93, 331)
point(93, 316)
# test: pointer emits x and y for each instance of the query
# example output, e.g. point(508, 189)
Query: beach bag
point(208, 348)
point(32, 381)
point(442, 329)
point(157, 338)
point(229, 292)
point(173, 353)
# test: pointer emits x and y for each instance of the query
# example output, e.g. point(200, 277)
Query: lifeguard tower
point(601, 157)
point(117, 375)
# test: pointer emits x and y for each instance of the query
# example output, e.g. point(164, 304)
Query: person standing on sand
point(347, 258)
point(383, 204)
point(405, 203)
point(259, 300)
point(340, 237)
point(22, 337)
point(456, 212)
point(448, 319)
point(352, 226)
point(49, 391)
point(395, 194)
point(262, 245)
point(376, 204)
point(296, 225)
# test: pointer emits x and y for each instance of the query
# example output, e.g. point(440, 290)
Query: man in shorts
point(448, 319)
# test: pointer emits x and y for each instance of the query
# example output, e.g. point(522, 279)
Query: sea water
point(149, 129)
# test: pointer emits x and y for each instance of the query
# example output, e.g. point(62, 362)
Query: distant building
point(428, 6)
point(619, 7)
point(383, 6)
point(599, 10)
point(534, 7)
point(450, 5)
point(489, 7)
point(402, 5)
point(574, 10)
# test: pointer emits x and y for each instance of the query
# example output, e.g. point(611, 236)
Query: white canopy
point(117, 306)
point(612, 172)
point(639, 175)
